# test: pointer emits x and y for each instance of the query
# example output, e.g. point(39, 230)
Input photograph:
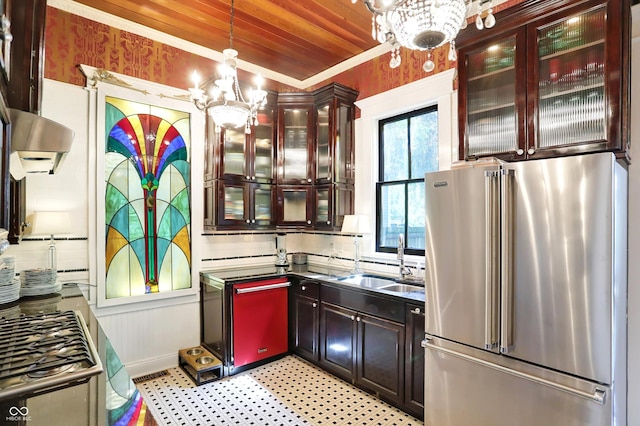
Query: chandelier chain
point(231, 25)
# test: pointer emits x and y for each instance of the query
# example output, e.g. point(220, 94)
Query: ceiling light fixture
point(423, 24)
point(225, 103)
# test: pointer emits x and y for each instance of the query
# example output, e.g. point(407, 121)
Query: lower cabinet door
point(337, 340)
point(306, 327)
point(414, 361)
point(380, 356)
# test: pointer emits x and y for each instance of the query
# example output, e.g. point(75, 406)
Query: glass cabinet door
point(295, 152)
point(234, 202)
point(323, 141)
point(342, 161)
point(233, 152)
point(571, 88)
point(263, 204)
point(294, 205)
point(323, 206)
point(492, 125)
point(263, 146)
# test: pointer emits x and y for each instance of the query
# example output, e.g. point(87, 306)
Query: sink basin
point(368, 281)
point(402, 288)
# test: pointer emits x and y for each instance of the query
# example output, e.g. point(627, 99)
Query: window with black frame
point(408, 146)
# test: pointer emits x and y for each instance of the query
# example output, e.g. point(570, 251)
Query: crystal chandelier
point(423, 24)
point(225, 103)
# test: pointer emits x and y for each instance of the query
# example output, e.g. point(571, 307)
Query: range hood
point(40, 144)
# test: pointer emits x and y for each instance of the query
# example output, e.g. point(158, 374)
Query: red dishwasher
point(260, 320)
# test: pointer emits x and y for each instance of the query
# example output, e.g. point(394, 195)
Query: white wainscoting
point(148, 340)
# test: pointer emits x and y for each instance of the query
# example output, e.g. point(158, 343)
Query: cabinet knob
point(247, 221)
point(353, 317)
point(358, 319)
point(520, 151)
point(248, 177)
point(308, 222)
point(416, 311)
point(253, 178)
point(328, 222)
point(314, 304)
point(531, 151)
point(309, 180)
point(253, 221)
point(303, 288)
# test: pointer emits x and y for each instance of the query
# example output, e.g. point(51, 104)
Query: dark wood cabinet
point(295, 139)
point(303, 146)
point(414, 361)
point(380, 356)
point(338, 334)
point(239, 174)
point(551, 80)
point(362, 338)
point(24, 72)
point(305, 321)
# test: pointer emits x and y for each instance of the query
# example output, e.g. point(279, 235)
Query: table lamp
point(51, 223)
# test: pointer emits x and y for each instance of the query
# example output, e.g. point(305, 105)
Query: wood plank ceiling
point(296, 38)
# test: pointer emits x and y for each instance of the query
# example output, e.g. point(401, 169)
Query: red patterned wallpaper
point(71, 40)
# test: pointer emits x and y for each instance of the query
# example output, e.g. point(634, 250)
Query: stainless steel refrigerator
point(526, 284)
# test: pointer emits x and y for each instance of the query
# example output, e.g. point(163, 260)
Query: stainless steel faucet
point(404, 271)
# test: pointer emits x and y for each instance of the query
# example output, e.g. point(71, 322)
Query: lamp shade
point(356, 224)
point(51, 223)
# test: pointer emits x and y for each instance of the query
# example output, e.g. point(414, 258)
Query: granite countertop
point(228, 276)
point(108, 398)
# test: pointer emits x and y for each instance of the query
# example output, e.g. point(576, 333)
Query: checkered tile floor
point(289, 391)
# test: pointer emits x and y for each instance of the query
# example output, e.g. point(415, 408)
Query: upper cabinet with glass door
point(335, 115)
point(564, 92)
point(249, 157)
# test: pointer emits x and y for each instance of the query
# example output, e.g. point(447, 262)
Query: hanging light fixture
point(422, 24)
point(225, 103)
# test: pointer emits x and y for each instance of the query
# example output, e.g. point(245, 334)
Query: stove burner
point(38, 374)
point(43, 352)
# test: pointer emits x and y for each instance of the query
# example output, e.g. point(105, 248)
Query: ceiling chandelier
point(423, 24)
point(224, 102)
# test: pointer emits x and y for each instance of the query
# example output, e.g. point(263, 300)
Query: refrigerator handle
point(491, 252)
point(506, 261)
point(598, 395)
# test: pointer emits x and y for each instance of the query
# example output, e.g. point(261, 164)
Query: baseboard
point(151, 365)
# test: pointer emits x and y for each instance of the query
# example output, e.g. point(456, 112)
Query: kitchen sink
point(369, 281)
point(402, 288)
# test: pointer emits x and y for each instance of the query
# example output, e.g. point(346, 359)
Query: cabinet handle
point(353, 317)
point(520, 151)
point(417, 311)
point(531, 151)
point(314, 304)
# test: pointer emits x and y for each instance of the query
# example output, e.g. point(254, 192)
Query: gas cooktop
point(45, 352)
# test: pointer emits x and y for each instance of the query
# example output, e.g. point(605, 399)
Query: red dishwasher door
point(260, 320)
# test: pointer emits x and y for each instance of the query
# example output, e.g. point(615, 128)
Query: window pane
point(392, 214)
point(416, 231)
point(396, 150)
point(424, 144)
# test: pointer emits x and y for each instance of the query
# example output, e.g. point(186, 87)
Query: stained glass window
point(147, 199)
